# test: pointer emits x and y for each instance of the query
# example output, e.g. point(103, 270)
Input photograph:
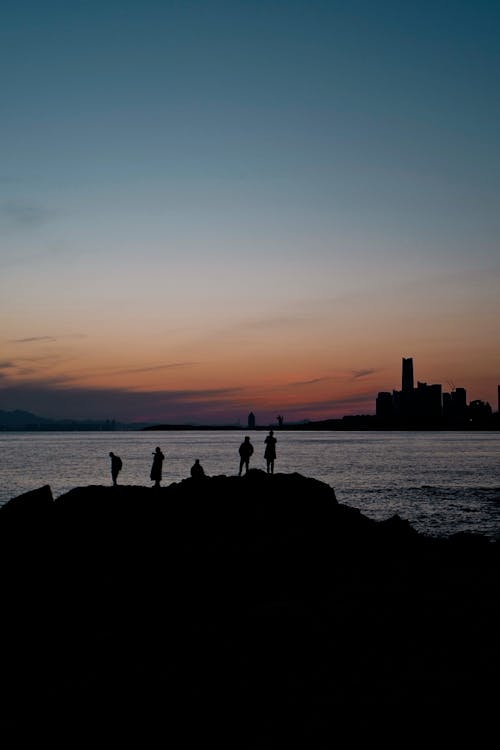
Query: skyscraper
point(407, 375)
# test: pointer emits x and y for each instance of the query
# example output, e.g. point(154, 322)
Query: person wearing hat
point(270, 452)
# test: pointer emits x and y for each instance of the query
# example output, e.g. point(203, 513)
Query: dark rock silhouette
point(256, 610)
point(30, 504)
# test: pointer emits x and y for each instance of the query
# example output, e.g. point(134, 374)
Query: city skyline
point(212, 208)
point(387, 405)
point(429, 402)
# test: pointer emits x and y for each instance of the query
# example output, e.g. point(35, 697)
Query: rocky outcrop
point(251, 609)
point(29, 504)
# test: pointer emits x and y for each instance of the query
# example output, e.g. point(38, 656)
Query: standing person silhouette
point(116, 467)
point(156, 469)
point(270, 452)
point(245, 450)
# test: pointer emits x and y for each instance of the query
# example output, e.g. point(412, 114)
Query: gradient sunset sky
point(208, 208)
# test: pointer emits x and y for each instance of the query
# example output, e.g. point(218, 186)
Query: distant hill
point(19, 418)
point(26, 420)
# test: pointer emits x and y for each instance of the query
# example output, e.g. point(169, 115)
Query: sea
point(442, 482)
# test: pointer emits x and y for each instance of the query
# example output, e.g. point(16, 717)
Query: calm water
point(441, 482)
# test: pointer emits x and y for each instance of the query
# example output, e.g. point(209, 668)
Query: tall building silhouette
point(251, 420)
point(384, 406)
point(407, 375)
point(427, 404)
point(455, 406)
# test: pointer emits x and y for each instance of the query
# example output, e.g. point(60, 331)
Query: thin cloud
point(300, 383)
point(359, 398)
point(153, 368)
point(240, 325)
point(21, 214)
point(194, 396)
point(52, 339)
point(7, 364)
point(32, 339)
point(356, 374)
point(35, 369)
point(339, 407)
point(275, 322)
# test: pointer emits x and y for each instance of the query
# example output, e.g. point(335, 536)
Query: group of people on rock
point(245, 451)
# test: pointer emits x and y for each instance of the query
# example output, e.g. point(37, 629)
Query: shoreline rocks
point(256, 607)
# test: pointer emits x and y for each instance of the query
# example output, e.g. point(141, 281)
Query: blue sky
point(186, 167)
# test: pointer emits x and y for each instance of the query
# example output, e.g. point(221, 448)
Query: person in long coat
point(156, 469)
point(270, 452)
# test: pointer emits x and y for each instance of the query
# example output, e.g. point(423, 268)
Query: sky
point(211, 208)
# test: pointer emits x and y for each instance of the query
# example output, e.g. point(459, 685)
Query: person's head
point(247, 438)
point(272, 432)
point(111, 454)
point(197, 460)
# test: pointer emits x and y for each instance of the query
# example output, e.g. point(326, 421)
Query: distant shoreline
point(310, 427)
point(317, 428)
point(361, 423)
point(24, 421)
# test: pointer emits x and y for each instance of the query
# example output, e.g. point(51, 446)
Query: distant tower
point(251, 420)
point(407, 375)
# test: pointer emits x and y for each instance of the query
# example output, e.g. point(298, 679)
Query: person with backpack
point(116, 467)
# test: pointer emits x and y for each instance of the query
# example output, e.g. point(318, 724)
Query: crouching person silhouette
point(197, 471)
